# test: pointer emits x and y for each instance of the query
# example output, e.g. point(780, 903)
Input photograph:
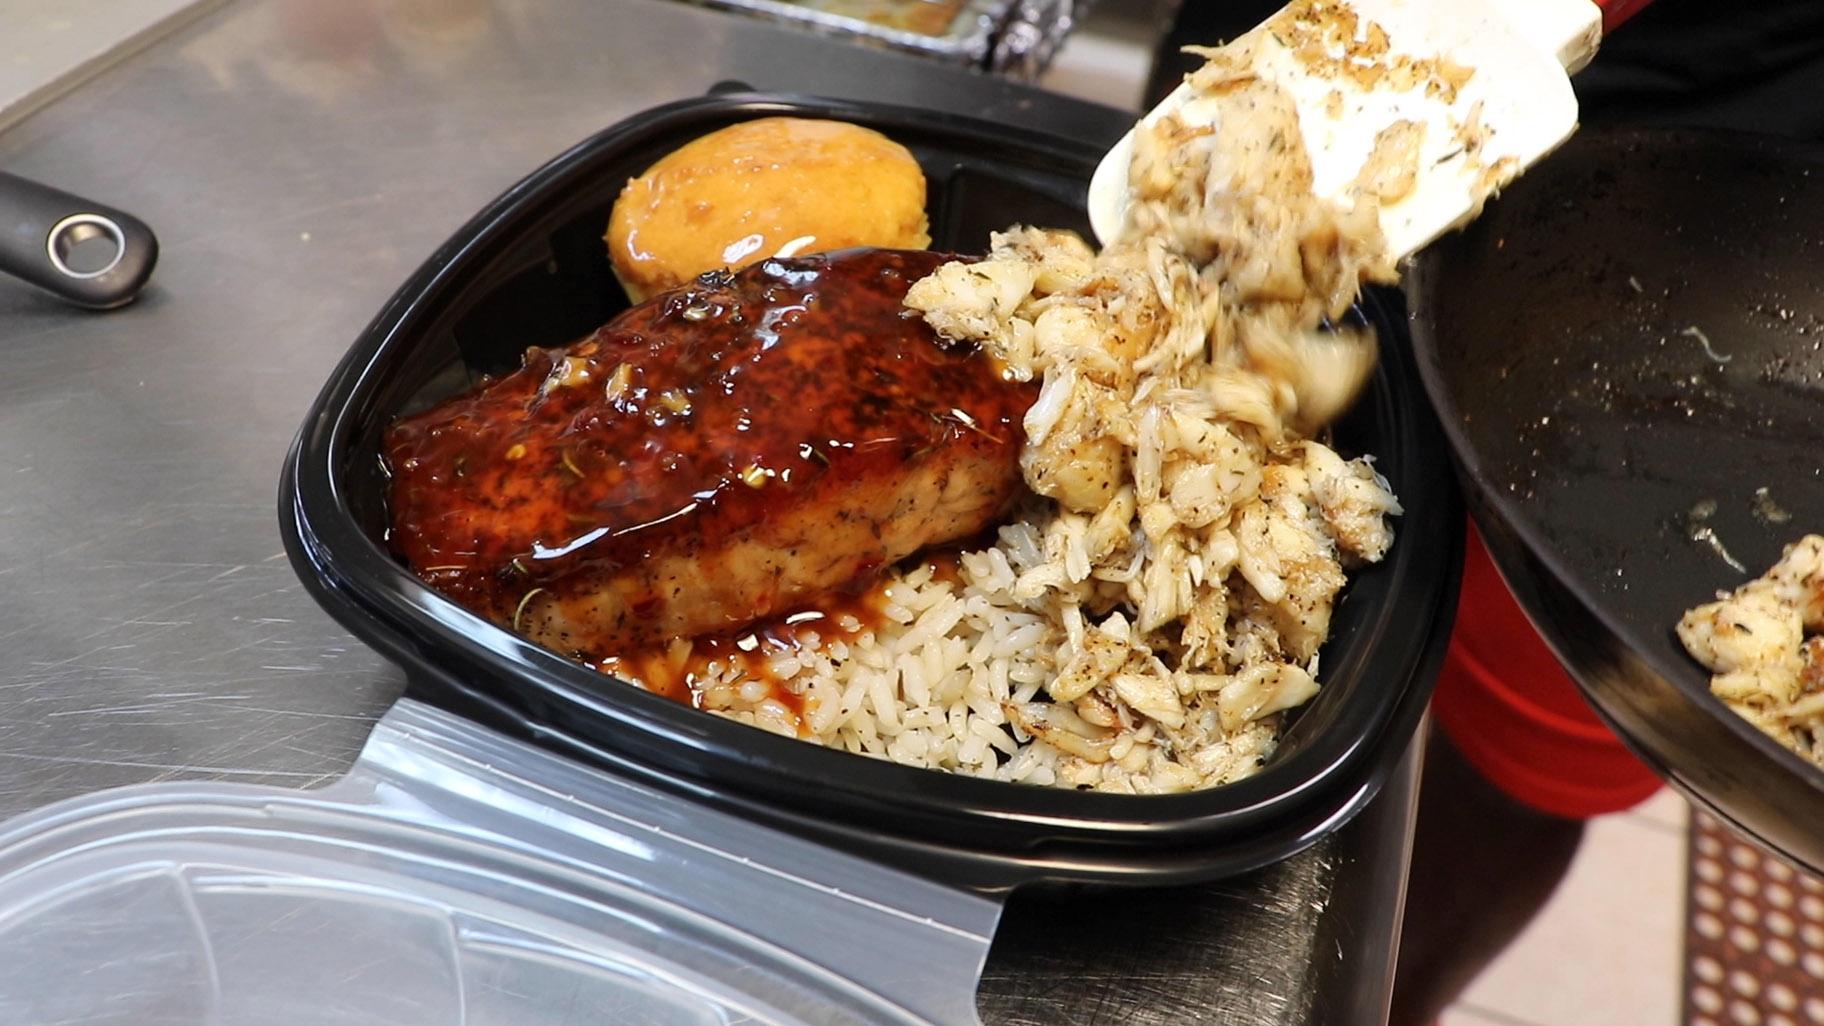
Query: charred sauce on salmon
point(726, 452)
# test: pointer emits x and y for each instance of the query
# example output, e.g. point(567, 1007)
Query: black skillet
point(1562, 339)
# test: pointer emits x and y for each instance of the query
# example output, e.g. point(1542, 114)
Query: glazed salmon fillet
point(725, 452)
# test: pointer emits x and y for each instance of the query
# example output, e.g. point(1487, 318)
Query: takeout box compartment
point(531, 270)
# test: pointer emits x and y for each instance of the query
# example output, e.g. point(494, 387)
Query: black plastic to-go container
point(531, 269)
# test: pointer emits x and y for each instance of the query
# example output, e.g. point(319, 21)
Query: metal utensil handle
point(92, 255)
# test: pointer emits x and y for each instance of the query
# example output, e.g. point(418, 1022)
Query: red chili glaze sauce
point(689, 430)
point(681, 671)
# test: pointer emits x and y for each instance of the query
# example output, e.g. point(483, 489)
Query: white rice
point(929, 686)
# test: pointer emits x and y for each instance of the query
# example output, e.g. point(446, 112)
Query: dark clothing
point(1756, 66)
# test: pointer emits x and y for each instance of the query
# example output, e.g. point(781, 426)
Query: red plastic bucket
point(1503, 699)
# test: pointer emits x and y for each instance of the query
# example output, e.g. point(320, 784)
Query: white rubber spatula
point(1520, 54)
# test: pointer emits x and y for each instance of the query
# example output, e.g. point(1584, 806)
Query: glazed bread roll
point(771, 187)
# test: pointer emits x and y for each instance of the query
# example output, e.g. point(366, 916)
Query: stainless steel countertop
point(299, 158)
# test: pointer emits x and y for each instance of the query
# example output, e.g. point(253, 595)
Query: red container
point(1506, 703)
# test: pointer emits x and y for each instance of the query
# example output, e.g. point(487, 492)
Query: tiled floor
point(1607, 950)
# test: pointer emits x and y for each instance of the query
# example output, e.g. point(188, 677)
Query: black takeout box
point(531, 270)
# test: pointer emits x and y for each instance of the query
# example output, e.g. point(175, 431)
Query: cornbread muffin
point(765, 188)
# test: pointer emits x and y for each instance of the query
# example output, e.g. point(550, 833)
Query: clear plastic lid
point(461, 878)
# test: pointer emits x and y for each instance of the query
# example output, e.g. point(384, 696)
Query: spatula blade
point(1514, 106)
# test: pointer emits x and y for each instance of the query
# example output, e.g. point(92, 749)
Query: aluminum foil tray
point(1017, 37)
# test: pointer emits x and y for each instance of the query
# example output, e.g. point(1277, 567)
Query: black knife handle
point(91, 255)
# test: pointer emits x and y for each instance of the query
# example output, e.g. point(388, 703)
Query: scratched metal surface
point(299, 158)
